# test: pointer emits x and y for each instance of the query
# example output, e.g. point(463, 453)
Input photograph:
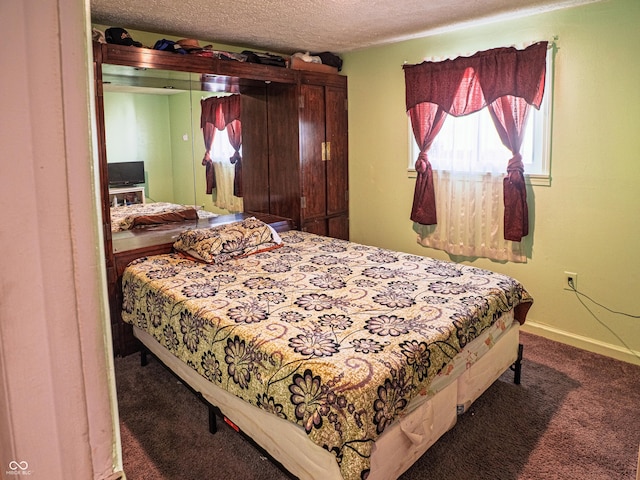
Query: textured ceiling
point(285, 26)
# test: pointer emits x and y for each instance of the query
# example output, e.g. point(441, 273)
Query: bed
point(126, 217)
point(341, 360)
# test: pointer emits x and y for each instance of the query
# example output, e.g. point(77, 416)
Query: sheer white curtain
point(470, 212)
point(225, 172)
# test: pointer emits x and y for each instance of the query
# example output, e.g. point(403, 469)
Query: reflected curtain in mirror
point(220, 113)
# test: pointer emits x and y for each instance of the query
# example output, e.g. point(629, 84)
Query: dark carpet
point(575, 416)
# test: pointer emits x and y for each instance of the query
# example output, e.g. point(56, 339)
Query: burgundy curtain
point(426, 121)
point(509, 115)
point(234, 130)
point(465, 85)
point(217, 113)
point(209, 132)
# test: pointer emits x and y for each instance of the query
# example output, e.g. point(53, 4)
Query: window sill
point(536, 180)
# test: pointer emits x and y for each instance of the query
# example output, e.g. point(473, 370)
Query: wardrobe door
point(324, 159)
point(255, 156)
point(312, 153)
point(337, 164)
point(284, 153)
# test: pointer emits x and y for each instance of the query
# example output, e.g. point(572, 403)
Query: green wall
point(164, 132)
point(182, 137)
point(135, 132)
point(587, 221)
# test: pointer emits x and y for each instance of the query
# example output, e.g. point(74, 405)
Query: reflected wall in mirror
point(153, 116)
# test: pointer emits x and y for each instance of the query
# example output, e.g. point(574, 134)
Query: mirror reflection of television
point(124, 174)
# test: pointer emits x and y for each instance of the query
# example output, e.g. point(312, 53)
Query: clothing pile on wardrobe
point(324, 61)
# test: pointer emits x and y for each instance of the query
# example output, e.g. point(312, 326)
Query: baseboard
point(116, 476)
point(585, 343)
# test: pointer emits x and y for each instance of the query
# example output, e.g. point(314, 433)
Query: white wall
point(57, 419)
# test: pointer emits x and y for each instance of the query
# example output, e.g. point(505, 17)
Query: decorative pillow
point(224, 242)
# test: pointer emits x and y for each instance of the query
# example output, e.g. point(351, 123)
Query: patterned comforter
point(335, 336)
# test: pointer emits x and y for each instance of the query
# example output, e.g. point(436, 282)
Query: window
point(473, 201)
point(222, 114)
point(470, 144)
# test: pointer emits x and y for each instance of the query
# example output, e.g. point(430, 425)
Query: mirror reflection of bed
point(139, 215)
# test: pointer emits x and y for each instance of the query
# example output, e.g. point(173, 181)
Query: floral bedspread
point(332, 335)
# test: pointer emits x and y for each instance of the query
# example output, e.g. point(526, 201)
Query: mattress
point(335, 337)
point(451, 394)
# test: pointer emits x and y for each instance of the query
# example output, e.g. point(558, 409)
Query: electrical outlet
point(570, 281)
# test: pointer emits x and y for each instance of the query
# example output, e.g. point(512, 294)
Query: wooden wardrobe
point(303, 172)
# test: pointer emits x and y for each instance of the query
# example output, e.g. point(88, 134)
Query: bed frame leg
point(213, 427)
point(517, 366)
point(144, 360)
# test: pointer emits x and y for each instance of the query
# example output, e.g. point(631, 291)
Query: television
point(124, 174)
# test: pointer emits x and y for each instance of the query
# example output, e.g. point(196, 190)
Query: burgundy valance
point(483, 77)
point(220, 111)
